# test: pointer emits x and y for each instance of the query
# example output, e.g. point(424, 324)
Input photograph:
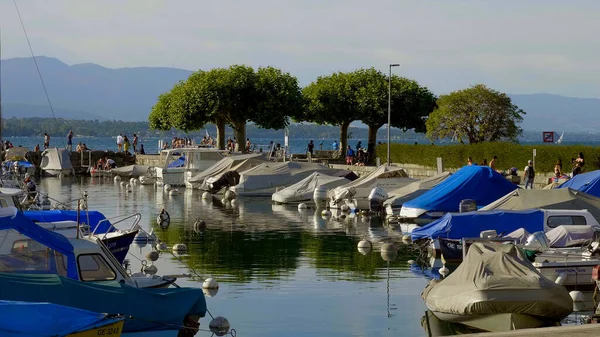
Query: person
point(529, 174)
point(135, 142)
point(101, 164)
point(110, 164)
point(358, 145)
point(469, 161)
point(70, 140)
point(558, 168)
point(248, 144)
point(493, 163)
point(310, 147)
point(29, 184)
point(580, 160)
point(46, 140)
point(37, 148)
point(484, 162)
point(79, 148)
point(335, 146)
point(126, 144)
point(119, 142)
point(349, 155)
point(142, 149)
point(84, 148)
point(576, 170)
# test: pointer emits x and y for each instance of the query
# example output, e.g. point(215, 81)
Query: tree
point(233, 96)
point(341, 98)
point(477, 114)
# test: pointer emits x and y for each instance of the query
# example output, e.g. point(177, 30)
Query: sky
point(518, 47)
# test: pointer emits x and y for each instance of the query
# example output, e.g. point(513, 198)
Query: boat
point(129, 171)
point(356, 193)
point(303, 191)
point(479, 185)
point(238, 163)
point(266, 178)
point(178, 162)
point(497, 289)
point(56, 162)
point(588, 182)
point(54, 320)
point(406, 193)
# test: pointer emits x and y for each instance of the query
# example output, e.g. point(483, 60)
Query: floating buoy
point(230, 195)
point(219, 326)
point(365, 219)
point(123, 184)
point(152, 256)
point(210, 292)
point(577, 296)
point(389, 247)
point(206, 196)
point(344, 208)
point(410, 261)
point(444, 271)
point(163, 219)
point(326, 212)
point(406, 238)
point(141, 236)
point(174, 192)
point(302, 206)
point(224, 201)
point(365, 247)
point(199, 225)
point(210, 283)
point(150, 270)
point(161, 246)
point(117, 178)
point(389, 252)
point(233, 202)
point(132, 181)
point(180, 248)
point(167, 187)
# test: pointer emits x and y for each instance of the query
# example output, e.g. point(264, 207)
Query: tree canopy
point(230, 96)
point(341, 98)
point(476, 114)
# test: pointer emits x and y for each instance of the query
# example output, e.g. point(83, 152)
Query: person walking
point(119, 142)
point(349, 155)
point(310, 147)
point(135, 142)
point(46, 140)
point(70, 141)
point(529, 175)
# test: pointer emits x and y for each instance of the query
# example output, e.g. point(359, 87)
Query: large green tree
point(230, 96)
point(341, 98)
point(476, 114)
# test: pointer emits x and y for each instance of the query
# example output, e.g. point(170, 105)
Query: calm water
point(281, 272)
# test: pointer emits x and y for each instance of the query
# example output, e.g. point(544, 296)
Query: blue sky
point(517, 47)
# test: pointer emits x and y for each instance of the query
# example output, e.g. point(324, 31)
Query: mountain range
point(90, 91)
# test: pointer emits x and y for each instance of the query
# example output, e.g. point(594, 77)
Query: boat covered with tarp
point(481, 184)
point(588, 182)
point(303, 190)
point(497, 289)
point(56, 161)
point(51, 320)
point(570, 236)
point(238, 163)
point(409, 192)
point(131, 171)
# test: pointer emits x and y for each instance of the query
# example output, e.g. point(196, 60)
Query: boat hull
point(119, 243)
point(110, 330)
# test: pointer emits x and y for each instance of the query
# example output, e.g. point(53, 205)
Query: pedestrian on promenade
point(529, 174)
point(70, 141)
point(119, 142)
point(46, 140)
point(135, 142)
point(310, 147)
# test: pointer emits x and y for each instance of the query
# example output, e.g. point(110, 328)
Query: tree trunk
point(343, 138)
point(220, 123)
point(239, 131)
point(372, 142)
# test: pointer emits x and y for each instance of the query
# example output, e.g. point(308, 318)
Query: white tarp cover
point(386, 177)
point(304, 189)
point(131, 170)
point(520, 235)
point(403, 194)
point(570, 236)
point(496, 279)
point(271, 175)
point(56, 159)
point(232, 163)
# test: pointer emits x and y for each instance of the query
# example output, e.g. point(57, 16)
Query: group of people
point(123, 144)
point(105, 164)
point(359, 157)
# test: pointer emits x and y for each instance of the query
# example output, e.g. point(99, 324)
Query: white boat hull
point(56, 173)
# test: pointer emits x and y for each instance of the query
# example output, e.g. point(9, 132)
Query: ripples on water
point(281, 271)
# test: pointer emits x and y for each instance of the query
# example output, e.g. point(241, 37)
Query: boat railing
point(35, 200)
point(137, 217)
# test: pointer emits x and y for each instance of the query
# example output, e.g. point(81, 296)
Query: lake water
point(281, 271)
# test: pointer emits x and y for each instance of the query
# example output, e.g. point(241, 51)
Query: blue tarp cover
point(471, 224)
point(58, 215)
point(586, 182)
point(479, 183)
point(179, 162)
point(46, 319)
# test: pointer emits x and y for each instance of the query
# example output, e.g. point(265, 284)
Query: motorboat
point(28, 248)
point(129, 171)
point(356, 193)
point(406, 193)
point(496, 288)
point(303, 191)
point(56, 162)
point(480, 185)
point(588, 182)
point(266, 178)
point(179, 161)
point(234, 163)
point(55, 320)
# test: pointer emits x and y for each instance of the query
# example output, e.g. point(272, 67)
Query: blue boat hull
point(119, 245)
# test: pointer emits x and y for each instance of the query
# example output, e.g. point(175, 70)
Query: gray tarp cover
point(570, 236)
point(366, 183)
point(234, 162)
point(131, 170)
point(304, 189)
point(495, 279)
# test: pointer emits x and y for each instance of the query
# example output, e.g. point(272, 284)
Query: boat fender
point(210, 283)
point(219, 326)
point(444, 271)
point(163, 219)
point(152, 256)
point(577, 296)
point(302, 206)
point(167, 187)
point(562, 277)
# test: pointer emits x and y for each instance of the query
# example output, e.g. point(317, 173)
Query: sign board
point(548, 136)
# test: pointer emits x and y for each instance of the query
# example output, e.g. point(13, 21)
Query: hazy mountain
point(90, 91)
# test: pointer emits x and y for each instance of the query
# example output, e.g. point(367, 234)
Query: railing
point(122, 218)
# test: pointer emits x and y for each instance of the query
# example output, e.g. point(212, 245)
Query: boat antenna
point(36, 64)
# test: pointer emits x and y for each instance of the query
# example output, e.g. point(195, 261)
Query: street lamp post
point(389, 111)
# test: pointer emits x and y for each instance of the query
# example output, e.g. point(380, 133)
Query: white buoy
point(326, 212)
point(223, 201)
point(210, 292)
point(161, 246)
point(210, 283)
point(302, 206)
point(152, 256)
point(230, 195)
point(219, 326)
point(167, 187)
point(179, 248)
point(141, 236)
point(206, 196)
point(123, 184)
point(150, 270)
point(117, 178)
point(344, 208)
point(410, 261)
point(444, 271)
point(132, 181)
point(365, 244)
point(233, 202)
point(389, 247)
point(174, 192)
point(389, 252)
point(577, 296)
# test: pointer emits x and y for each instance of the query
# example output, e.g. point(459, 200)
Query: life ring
point(163, 219)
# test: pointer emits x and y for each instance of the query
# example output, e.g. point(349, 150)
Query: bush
point(509, 155)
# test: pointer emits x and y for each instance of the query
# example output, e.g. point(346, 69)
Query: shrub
point(509, 155)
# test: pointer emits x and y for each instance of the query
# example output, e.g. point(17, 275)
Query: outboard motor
point(537, 240)
point(376, 198)
point(467, 205)
point(320, 196)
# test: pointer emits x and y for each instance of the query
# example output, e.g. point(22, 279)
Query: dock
point(585, 330)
